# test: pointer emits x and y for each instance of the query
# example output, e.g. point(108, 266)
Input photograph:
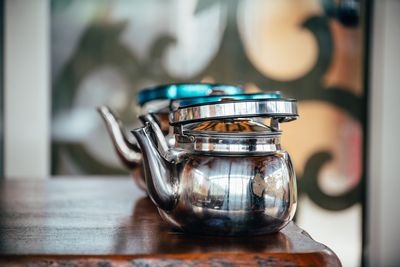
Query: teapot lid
point(230, 108)
point(184, 90)
point(239, 136)
point(176, 103)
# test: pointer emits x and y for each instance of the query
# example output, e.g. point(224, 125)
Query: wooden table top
point(108, 221)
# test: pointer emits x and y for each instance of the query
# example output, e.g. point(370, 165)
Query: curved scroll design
point(309, 185)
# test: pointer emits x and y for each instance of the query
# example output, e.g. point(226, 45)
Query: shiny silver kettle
point(156, 100)
point(227, 173)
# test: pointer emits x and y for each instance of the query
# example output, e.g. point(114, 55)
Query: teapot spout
point(162, 185)
point(129, 153)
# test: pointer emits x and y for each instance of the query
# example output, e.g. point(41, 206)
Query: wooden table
point(109, 222)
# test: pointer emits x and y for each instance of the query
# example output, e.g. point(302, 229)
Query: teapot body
point(234, 195)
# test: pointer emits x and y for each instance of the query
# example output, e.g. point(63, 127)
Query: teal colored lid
point(185, 90)
point(216, 98)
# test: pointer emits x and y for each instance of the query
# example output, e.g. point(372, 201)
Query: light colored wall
point(384, 158)
point(27, 91)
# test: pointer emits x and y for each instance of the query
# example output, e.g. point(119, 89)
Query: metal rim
point(229, 146)
point(283, 109)
point(185, 102)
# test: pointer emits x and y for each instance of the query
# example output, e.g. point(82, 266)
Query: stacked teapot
point(220, 169)
point(157, 102)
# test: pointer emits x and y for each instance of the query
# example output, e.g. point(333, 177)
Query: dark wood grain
point(109, 222)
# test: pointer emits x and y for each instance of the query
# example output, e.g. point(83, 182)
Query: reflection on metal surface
point(229, 194)
point(234, 195)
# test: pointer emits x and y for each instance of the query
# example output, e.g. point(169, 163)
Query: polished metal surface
point(158, 171)
point(234, 195)
point(285, 109)
point(156, 134)
point(217, 194)
point(218, 171)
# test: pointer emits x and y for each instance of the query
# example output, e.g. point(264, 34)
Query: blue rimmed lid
point(186, 90)
point(216, 98)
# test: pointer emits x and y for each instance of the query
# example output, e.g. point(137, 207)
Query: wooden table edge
point(326, 258)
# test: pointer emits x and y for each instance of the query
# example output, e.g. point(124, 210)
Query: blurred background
point(64, 58)
point(104, 52)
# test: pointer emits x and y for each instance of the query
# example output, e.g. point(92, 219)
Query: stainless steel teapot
point(227, 173)
point(160, 101)
point(157, 101)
